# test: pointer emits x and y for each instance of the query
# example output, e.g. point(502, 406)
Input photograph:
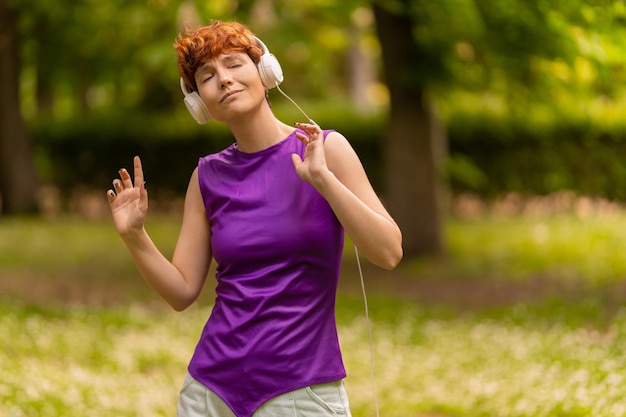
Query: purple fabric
point(278, 248)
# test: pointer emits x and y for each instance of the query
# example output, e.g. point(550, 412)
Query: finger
point(125, 176)
point(303, 138)
point(306, 125)
point(309, 128)
point(313, 134)
point(297, 161)
point(138, 171)
point(110, 196)
point(117, 186)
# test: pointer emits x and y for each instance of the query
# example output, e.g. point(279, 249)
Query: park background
point(493, 130)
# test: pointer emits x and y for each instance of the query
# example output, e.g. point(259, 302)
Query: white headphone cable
point(358, 261)
point(295, 104)
point(369, 332)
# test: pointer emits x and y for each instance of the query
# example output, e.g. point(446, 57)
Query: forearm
point(158, 271)
point(375, 234)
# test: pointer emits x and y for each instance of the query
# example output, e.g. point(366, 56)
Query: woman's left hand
point(313, 165)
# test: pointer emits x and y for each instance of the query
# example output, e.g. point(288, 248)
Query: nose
point(225, 81)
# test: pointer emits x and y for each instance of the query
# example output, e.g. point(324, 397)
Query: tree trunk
point(413, 140)
point(362, 73)
point(18, 180)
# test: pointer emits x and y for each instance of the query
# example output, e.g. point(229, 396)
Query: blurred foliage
point(85, 55)
point(531, 91)
point(544, 150)
point(90, 150)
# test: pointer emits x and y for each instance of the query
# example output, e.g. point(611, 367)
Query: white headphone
point(271, 75)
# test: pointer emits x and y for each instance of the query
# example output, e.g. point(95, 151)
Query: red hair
point(204, 43)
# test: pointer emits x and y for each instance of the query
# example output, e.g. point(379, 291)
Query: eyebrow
point(224, 58)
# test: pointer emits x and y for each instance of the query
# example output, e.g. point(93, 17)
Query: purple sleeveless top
point(278, 248)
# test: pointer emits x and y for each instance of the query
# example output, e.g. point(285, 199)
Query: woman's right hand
point(128, 200)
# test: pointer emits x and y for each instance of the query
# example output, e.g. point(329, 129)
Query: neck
point(259, 131)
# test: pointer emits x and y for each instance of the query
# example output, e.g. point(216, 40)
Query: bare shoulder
point(194, 176)
point(340, 155)
point(336, 141)
point(194, 184)
point(193, 197)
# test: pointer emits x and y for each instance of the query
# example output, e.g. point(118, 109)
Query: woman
point(271, 209)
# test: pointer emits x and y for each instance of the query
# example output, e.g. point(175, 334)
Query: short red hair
point(206, 42)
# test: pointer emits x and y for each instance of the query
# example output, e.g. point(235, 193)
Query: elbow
point(394, 253)
point(182, 298)
point(387, 257)
point(179, 307)
point(181, 304)
point(392, 260)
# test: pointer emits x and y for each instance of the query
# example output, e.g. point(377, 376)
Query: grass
point(564, 246)
point(81, 334)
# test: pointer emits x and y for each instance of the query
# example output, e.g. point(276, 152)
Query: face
point(230, 85)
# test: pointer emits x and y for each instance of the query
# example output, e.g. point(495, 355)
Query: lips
point(228, 94)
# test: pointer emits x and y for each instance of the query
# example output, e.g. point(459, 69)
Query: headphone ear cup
point(196, 107)
point(270, 70)
point(194, 104)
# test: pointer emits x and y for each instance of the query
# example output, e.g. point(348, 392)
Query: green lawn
point(81, 334)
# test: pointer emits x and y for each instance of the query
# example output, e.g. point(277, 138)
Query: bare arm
point(335, 170)
point(180, 281)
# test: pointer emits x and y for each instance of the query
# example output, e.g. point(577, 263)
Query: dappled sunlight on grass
point(577, 240)
point(79, 362)
point(472, 366)
point(130, 361)
point(83, 335)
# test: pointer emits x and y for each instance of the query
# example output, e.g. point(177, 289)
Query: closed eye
point(206, 78)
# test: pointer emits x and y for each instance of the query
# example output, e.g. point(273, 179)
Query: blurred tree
point(413, 185)
point(116, 56)
point(498, 48)
point(18, 179)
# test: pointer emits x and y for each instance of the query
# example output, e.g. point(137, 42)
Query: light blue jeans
point(322, 400)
